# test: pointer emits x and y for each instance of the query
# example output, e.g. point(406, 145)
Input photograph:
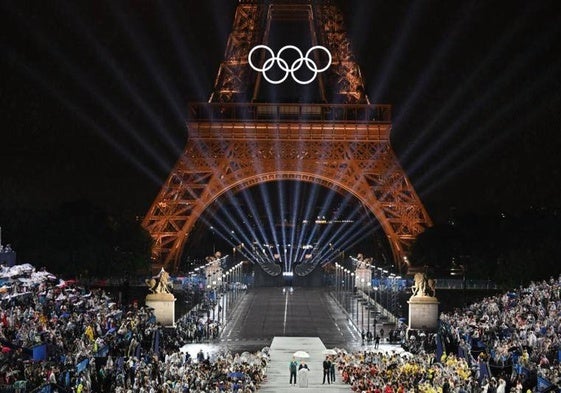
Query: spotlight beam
point(181, 47)
point(119, 74)
point(143, 49)
point(503, 81)
point(323, 211)
point(280, 191)
point(308, 213)
point(327, 202)
point(471, 140)
point(384, 76)
point(295, 207)
point(459, 93)
point(430, 71)
point(270, 217)
point(344, 237)
point(225, 231)
point(323, 238)
point(298, 207)
point(77, 111)
point(105, 102)
point(519, 102)
point(498, 139)
point(248, 200)
point(262, 239)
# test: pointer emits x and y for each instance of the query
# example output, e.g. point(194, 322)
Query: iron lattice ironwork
point(235, 143)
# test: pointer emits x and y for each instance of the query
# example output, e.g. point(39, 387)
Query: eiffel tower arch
point(335, 138)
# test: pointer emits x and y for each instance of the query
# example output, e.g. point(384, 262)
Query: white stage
point(278, 374)
point(281, 350)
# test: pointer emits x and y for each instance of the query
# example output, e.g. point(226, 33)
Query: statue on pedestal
point(423, 286)
point(160, 298)
point(159, 283)
point(423, 304)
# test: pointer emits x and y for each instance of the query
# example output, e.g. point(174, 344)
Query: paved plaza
point(288, 321)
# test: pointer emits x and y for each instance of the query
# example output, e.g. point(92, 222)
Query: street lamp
point(235, 279)
point(337, 281)
point(340, 282)
point(224, 297)
point(338, 277)
point(214, 300)
point(344, 287)
point(375, 309)
point(362, 308)
point(351, 287)
point(369, 300)
point(347, 289)
point(228, 297)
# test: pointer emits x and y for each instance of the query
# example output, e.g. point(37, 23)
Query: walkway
point(278, 375)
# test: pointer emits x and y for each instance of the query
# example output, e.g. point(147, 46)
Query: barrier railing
point(354, 113)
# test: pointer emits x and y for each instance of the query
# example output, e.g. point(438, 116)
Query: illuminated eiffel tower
point(251, 131)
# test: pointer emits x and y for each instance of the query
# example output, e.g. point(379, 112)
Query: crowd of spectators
point(57, 333)
point(89, 343)
point(518, 334)
point(505, 343)
point(394, 371)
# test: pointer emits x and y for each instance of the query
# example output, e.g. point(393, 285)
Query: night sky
point(94, 93)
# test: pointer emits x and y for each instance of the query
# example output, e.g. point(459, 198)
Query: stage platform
point(278, 375)
point(281, 351)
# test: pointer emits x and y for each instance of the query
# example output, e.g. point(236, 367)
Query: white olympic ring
point(283, 65)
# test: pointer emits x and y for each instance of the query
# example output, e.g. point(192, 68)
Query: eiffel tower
point(329, 135)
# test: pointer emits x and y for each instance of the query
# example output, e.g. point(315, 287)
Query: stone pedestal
point(164, 307)
point(423, 313)
point(363, 276)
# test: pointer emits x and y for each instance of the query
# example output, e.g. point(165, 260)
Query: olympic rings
point(283, 65)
